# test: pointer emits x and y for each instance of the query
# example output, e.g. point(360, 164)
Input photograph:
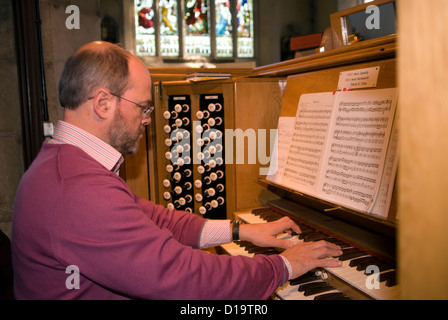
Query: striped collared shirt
point(99, 150)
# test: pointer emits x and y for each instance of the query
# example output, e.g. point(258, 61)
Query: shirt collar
point(102, 152)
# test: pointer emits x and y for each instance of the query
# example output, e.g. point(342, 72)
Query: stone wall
point(11, 156)
point(58, 44)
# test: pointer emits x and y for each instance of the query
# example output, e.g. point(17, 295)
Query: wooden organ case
point(193, 166)
point(368, 240)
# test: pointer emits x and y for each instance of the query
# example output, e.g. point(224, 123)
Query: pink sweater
point(70, 210)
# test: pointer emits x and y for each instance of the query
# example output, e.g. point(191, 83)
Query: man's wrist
point(287, 266)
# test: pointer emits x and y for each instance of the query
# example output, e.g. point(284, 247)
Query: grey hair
point(88, 70)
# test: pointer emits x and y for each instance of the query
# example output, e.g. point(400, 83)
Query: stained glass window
point(245, 28)
point(223, 28)
point(215, 29)
point(169, 31)
point(145, 28)
point(197, 37)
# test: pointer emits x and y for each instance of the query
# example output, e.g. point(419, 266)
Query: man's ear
point(103, 103)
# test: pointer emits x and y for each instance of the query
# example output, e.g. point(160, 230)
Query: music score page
point(339, 147)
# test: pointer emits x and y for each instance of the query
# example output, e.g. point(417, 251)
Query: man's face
point(125, 132)
point(129, 123)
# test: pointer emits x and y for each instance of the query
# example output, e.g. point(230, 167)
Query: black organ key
point(270, 218)
point(310, 285)
point(245, 243)
point(252, 248)
point(257, 250)
point(315, 288)
point(307, 277)
point(305, 233)
point(267, 215)
point(387, 276)
point(314, 236)
point(392, 280)
point(351, 255)
point(381, 267)
point(332, 296)
point(339, 243)
point(305, 230)
point(390, 277)
point(362, 263)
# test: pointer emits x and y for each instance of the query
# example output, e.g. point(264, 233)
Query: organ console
point(368, 271)
point(195, 144)
point(194, 165)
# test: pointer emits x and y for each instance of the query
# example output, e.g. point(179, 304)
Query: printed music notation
point(342, 149)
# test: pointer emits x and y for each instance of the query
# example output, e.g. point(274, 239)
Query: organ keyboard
point(361, 276)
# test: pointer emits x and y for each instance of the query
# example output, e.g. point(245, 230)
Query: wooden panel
point(376, 49)
point(423, 186)
point(180, 73)
point(257, 110)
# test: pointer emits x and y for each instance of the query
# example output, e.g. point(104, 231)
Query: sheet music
point(281, 147)
point(382, 205)
point(357, 147)
point(308, 141)
point(341, 149)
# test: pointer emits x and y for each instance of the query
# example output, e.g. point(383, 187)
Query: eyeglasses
point(146, 109)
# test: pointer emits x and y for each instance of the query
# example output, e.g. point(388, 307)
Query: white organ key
point(251, 218)
point(291, 292)
point(235, 250)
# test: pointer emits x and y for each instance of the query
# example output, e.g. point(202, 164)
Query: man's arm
point(186, 227)
point(298, 259)
point(217, 232)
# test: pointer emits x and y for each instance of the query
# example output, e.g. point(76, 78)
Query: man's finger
point(321, 253)
point(289, 224)
point(328, 263)
point(324, 244)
